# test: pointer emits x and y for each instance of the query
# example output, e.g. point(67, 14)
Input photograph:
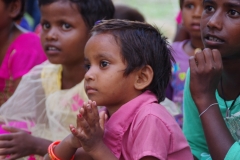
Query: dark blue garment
point(24, 24)
point(33, 10)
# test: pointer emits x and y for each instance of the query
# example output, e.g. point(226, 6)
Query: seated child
point(43, 97)
point(20, 51)
point(129, 79)
point(212, 92)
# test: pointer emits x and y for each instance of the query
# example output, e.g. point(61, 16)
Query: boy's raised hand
point(90, 126)
point(205, 73)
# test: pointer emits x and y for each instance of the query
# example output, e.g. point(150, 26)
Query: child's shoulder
point(28, 45)
point(156, 112)
point(178, 51)
point(27, 40)
point(179, 44)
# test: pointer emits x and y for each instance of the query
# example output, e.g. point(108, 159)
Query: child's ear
point(144, 78)
point(14, 8)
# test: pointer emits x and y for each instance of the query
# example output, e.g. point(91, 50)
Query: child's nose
point(89, 75)
point(51, 35)
point(215, 21)
point(198, 12)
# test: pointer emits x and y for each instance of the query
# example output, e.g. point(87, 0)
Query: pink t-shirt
point(142, 127)
point(22, 55)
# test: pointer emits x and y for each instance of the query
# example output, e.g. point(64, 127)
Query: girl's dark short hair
point(91, 10)
point(22, 10)
point(141, 44)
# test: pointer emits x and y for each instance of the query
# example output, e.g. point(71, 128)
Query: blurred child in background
point(19, 50)
point(127, 13)
point(191, 14)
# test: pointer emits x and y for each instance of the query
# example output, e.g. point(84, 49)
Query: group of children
point(126, 66)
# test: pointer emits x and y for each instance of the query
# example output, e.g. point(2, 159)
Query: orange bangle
point(51, 153)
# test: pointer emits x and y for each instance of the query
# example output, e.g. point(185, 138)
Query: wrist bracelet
point(51, 153)
point(207, 109)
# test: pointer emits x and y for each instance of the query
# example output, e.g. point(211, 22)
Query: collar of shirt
point(120, 121)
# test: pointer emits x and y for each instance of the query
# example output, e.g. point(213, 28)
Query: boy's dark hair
point(181, 3)
point(91, 10)
point(22, 10)
point(127, 13)
point(141, 44)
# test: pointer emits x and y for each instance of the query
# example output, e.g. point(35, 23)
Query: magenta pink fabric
point(142, 127)
point(20, 125)
point(179, 18)
point(22, 55)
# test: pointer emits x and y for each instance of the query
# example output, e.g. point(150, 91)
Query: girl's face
point(6, 18)
point(220, 26)
point(104, 80)
point(191, 15)
point(64, 33)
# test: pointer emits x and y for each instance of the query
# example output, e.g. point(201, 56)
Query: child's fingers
point(192, 64)
point(200, 60)
point(92, 113)
point(95, 113)
point(73, 129)
point(83, 108)
point(217, 58)
point(83, 127)
point(208, 54)
point(102, 119)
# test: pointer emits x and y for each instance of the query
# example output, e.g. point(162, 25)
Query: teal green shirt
point(192, 126)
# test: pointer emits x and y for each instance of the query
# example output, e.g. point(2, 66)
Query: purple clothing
point(24, 53)
point(179, 72)
point(142, 127)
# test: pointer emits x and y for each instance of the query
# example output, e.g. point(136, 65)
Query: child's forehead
point(226, 1)
point(102, 45)
point(62, 5)
point(60, 8)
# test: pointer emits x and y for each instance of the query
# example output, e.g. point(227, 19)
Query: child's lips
point(196, 26)
point(90, 90)
point(52, 50)
point(212, 40)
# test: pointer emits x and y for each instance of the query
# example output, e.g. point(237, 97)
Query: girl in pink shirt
point(128, 68)
point(19, 51)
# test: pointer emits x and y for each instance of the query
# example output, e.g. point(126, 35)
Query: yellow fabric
point(61, 109)
point(39, 100)
point(53, 74)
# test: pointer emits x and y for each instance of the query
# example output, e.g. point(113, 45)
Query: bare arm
point(204, 79)
point(85, 142)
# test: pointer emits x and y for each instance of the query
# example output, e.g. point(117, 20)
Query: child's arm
point(89, 131)
point(66, 148)
point(205, 73)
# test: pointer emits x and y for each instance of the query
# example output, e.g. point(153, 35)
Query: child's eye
point(87, 66)
point(190, 6)
point(66, 26)
point(209, 9)
point(104, 64)
point(45, 26)
point(233, 13)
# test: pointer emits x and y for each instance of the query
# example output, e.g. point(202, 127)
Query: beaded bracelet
point(51, 153)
